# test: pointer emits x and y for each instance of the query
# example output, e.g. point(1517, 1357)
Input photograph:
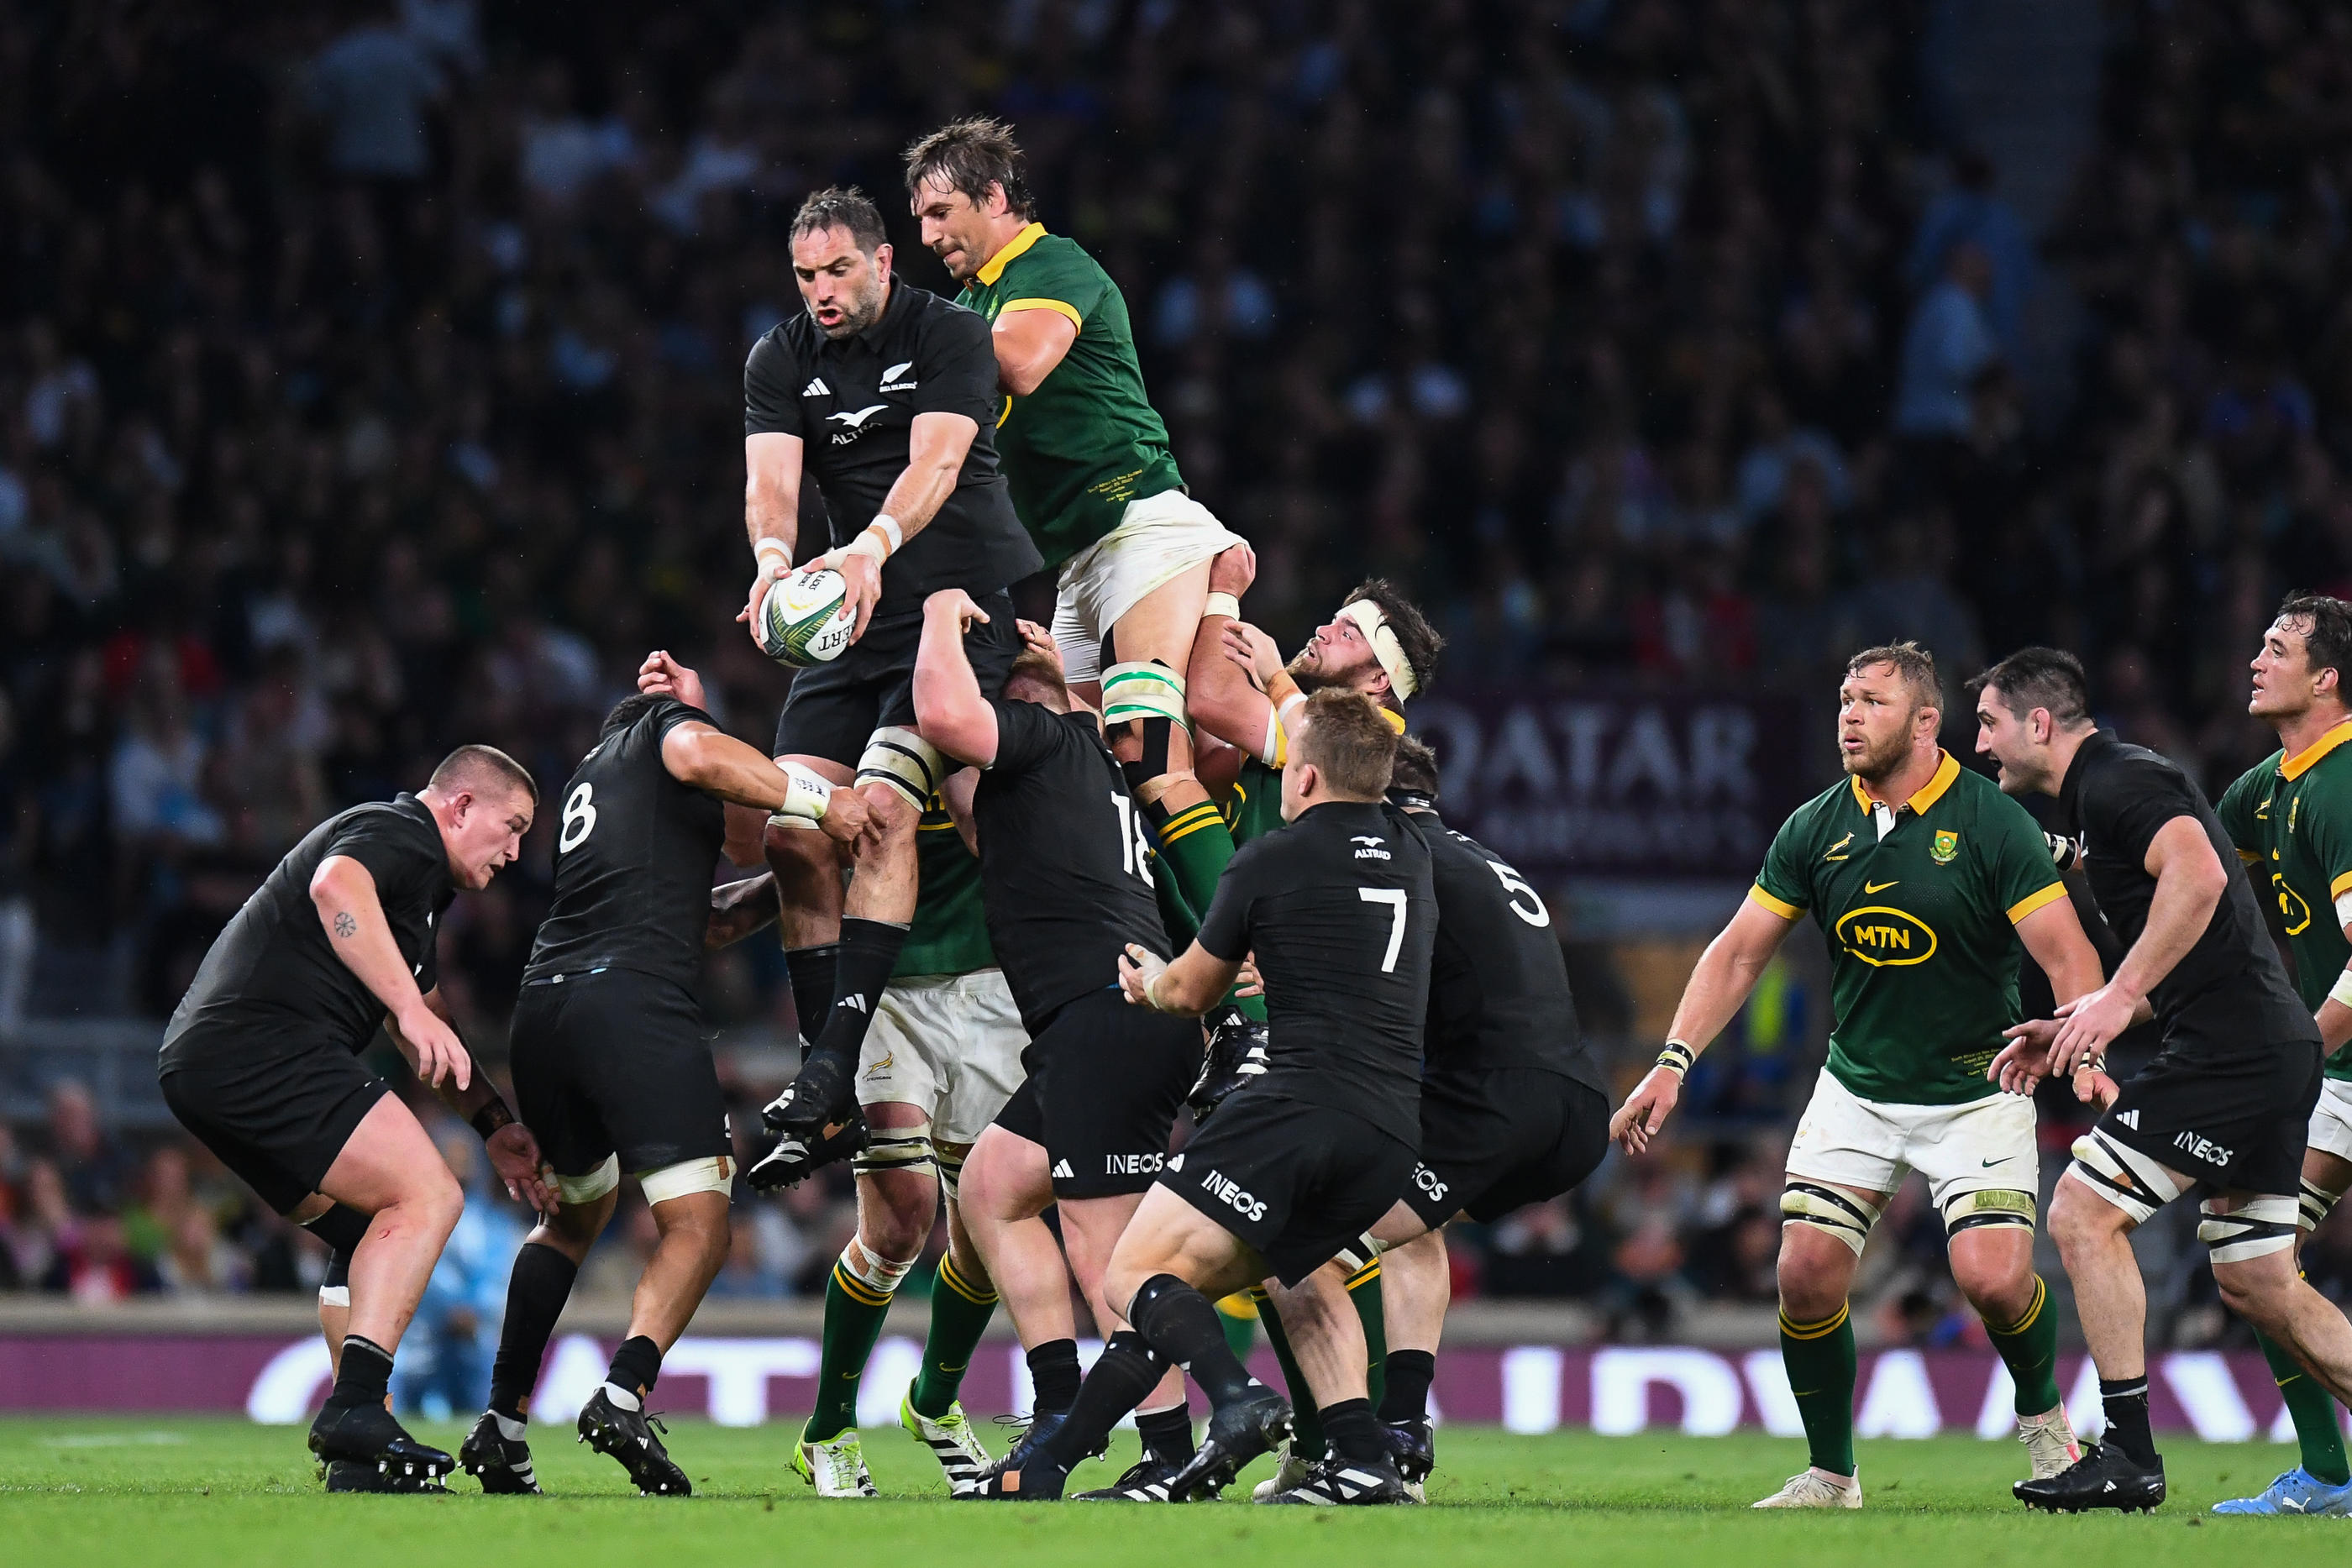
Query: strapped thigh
point(898, 1149)
point(2130, 1180)
point(1840, 1214)
point(903, 759)
point(2257, 1226)
point(1987, 1205)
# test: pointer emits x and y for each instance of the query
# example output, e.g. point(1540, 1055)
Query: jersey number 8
point(579, 819)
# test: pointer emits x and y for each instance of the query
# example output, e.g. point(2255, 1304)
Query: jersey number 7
point(1394, 898)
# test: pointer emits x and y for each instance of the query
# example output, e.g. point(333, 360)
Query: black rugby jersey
point(1341, 911)
point(634, 854)
point(852, 403)
point(272, 986)
point(1063, 872)
point(1498, 991)
point(2117, 797)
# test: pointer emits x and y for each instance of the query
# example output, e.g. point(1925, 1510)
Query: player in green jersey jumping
point(2291, 818)
point(1925, 878)
point(1091, 474)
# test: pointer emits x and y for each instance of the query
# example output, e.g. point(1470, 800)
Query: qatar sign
point(1529, 1388)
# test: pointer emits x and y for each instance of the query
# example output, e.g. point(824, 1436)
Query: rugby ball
point(805, 619)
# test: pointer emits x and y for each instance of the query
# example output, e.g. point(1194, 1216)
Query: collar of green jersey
point(1947, 769)
point(2293, 768)
point(1012, 251)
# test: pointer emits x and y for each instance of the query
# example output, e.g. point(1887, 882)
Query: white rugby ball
point(804, 617)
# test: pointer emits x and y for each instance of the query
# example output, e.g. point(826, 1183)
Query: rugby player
point(2291, 818)
point(1379, 643)
point(610, 1056)
point(260, 1062)
point(1926, 880)
point(2226, 1103)
point(942, 1058)
point(1067, 884)
point(886, 395)
point(1513, 1111)
point(1091, 474)
point(1295, 1165)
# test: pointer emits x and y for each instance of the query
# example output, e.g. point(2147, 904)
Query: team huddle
point(1040, 889)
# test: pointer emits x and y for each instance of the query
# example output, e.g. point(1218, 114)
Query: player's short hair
point(2039, 677)
point(1348, 742)
point(1419, 640)
point(842, 207)
point(970, 155)
point(627, 711)
point(1038, 671)
point(470, 766)
point(1915, 665)
point(1415, 769)
point(2327, 645)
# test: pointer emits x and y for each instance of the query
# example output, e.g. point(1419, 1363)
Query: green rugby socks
point(1821, 1361)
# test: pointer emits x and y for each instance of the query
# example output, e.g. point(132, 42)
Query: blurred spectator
point(86, 1157)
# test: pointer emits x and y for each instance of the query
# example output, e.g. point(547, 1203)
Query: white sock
point(510, 1428)
point(622, 1397)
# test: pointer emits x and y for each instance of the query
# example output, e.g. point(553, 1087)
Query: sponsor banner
point(1533, 1388)
point(1613, 784)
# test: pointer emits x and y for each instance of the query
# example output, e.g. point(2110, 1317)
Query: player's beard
point(867, 311)
point(1877, 764)
point(1303, 673)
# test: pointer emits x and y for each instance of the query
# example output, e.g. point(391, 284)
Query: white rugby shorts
point(949, 1043)
point(1158, 539)
point(1982, 1145)
point(2331, 1119)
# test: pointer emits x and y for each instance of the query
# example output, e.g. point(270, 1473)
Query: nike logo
point(2002, 1161)
point(1878, 886)
point(857, 421)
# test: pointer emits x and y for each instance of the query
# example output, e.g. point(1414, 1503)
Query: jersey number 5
point(1394, 898)
point(1515, 884)
point(579, 819)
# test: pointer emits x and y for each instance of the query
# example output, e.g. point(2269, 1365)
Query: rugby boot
point(2104, 1477)
point(628, 1436)
point(1238, 1432)
point(2296, 1491)
point(502, 1464)
point(1335, 1483)
point(1236, 1055)
point(1289, 1470)
point(794, 1156)
point(370, 1435)
point(363, 1476)
point(835, 1467)
point(1413, 1444)
point(1024, 1475)
point(2050, 1442)
point(1146, 1480)
point(1810, 1489)
point(950, 1437)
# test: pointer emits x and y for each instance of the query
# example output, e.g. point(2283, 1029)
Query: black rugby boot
point(501, 1463)
point(628, 1436)
point(2104, 1477)
point(1255, 1423)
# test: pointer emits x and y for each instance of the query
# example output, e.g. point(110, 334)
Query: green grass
point(202, 1492)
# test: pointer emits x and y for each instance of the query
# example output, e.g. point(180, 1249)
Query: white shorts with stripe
point(949, 1043)
point(1158, 539)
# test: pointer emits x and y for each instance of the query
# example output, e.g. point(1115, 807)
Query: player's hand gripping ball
point(804, 618)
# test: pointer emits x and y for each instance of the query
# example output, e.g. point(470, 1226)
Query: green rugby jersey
point(950, 934)
point(1087, 441)
point(1921, 925)
point(2291, 818)
point(1255, 808)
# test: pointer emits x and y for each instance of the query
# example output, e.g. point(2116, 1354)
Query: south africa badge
point(1946, 846)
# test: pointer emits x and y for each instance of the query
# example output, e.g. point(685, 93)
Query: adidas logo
point(1175, 1163)
point(816, 388)
point(1061, 1171)
point(856, 1000)
point(2130, 1119)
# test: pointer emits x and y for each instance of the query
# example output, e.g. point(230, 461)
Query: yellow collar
point(989, 274)
point(1931, 792)
point(1396, 719)
point(2303, 761)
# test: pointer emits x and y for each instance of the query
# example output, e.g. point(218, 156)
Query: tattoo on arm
point(344, 925)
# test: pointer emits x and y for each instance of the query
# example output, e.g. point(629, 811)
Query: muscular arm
point(1029, 344)
point(464, 1100)
point(1219, 695)
point(739, 908)
point(2054, 934)
point(772, 489)
point(936, 449)
point(2336, 1019)
point(344, 892)
point(949, 711)
point(2189, 883)
point(1718, 986)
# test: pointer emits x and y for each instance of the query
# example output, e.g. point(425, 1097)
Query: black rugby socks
point(365, 1374)
point(1167, 1434)
point(1183, 1328)
point(1122, 1378)
point(1353, 1433)
point(2125, 1401)
point(1053, 1370)
point(869, 951)
point(536, 1292)
point(811, 971)
point(1409, 1375)
point(637, 1366)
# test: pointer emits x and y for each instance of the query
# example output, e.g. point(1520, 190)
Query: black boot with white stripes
point(1335, 1483)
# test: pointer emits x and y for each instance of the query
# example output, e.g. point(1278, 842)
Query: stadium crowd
point(353, 358)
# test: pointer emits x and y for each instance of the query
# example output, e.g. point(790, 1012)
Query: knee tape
point(897, 1149)
point(2254, 1228)
point(2123, 1176)
point(711, 1173)
point(1150, 693)
point(341, 1228)
point(867, 1276)
point(1840, 1214)
point(2316, 1205)
point(904, 761)
point(1992, 1206)
point(950, 1168)
point(1358, 1256)
point(580, 1189)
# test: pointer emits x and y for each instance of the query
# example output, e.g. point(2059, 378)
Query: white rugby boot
point(2050, 1442)
point(836, 1467)
point(1810, 1489)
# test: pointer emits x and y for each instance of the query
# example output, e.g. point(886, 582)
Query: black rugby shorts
point(614, 1062)
point(1498, 1140)
point(277, 1123)
point(1105, 1082)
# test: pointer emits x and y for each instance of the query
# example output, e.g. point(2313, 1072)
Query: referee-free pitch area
point(204, 1491)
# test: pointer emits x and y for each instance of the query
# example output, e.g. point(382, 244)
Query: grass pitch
point(204, 1491)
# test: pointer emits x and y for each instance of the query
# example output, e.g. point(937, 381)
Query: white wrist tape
point(771, 554)
point(869, 544)
point(2342, 991)
point(1224, 604)
point(806, 794)
point(2343, 908)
